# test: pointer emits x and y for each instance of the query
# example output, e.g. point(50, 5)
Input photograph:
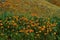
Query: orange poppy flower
point(42, 29)
point(14, 24)
point(31, 30)
point(32, 25)
point(31, 21)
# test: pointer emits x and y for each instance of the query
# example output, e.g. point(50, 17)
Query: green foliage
point(29, 28)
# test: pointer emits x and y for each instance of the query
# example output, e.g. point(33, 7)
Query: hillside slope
point(39, 7)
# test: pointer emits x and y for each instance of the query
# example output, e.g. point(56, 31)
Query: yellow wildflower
point(55, 33)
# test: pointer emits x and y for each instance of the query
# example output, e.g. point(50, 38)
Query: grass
point(38, 7)
point(55, 2)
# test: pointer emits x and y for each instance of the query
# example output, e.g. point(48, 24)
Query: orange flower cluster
point(27, 31)
point(18, 24)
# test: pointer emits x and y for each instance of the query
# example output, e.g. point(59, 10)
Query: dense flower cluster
point(23, 28)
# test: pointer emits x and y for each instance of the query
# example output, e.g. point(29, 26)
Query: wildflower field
point(29, 28)
point(29, 20)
